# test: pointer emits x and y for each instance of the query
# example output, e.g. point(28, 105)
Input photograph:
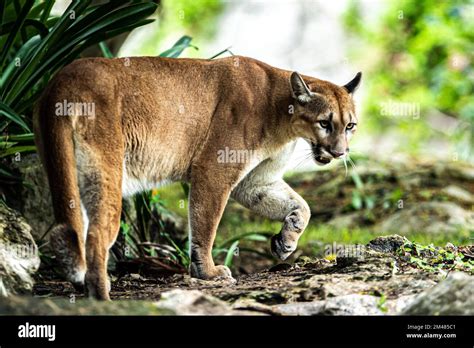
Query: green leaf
point(185, 188)
point(356, 200)
point(13, 116)
point(47, 10)
point(9, 72)
point(230, 253)
point(36, 59)
point(18, 137)
point(178, 48)
point(17, 149)
point(111, 21)
point(15, 30)
point(105, 50)
point(357, 180)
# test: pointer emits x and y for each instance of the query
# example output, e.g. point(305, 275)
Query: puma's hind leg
point(100, 183)
point(277, 201)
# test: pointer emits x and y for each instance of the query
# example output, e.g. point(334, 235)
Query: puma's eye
point(324, 124)
point(350, 126)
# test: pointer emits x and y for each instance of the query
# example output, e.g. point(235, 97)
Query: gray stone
point(353, 304)
point(19, 258)
point(458, 194)
point(429, 217)
point(452, 296)
point(26, 305)
point(387, 244)
point(346, 220)
point(192, 302)
point(35, 206)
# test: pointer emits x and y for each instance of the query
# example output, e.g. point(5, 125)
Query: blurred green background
point(416, 104)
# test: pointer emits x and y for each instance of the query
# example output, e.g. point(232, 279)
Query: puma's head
point(324, 114)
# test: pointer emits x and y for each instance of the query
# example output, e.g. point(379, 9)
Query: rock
point(25, 305)
point(35, 205)
point(387, 244)
point(458, 194)
point(462, 171)
point(134, 276)
point(250, 305)
point(353, 304)
point(395, 306)
point(346, 221)
point(429, 217)
point(452, 296)
point(19, 258)
point(192, 302)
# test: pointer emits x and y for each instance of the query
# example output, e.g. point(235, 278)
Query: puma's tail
point(54, 140)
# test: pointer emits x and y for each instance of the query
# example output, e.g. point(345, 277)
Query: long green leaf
point(6, 175)
point(14, 32)
point(12, 69)
point(13, 116)
point(178, 48)
point(17, 149)
point(230, 253)
point(76, 7)
point(115, 18)
point(36, 10)
point(105, 50)
point(2, 11)
point(47, 10)
point(40, 27)
point(18, 137)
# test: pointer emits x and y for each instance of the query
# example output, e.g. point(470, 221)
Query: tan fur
point(159, 119)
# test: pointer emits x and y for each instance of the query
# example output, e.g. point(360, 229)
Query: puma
point(108, 128)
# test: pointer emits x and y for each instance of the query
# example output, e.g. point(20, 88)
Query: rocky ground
point(390, 275)
point(377, 279)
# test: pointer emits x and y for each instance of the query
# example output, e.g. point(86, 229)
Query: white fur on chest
point(274, 166)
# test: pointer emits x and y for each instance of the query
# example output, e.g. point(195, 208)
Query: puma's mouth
point(322, 160)
point(320, 155)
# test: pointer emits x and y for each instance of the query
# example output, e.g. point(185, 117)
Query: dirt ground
point(375, 270)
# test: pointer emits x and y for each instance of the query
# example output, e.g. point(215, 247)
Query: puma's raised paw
point(280, 249)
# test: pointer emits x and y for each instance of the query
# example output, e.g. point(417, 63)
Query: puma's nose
point(337, 154)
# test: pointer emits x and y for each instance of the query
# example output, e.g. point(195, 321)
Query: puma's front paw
point(223, 272)
point(215, 273)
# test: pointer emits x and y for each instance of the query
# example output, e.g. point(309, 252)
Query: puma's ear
point(352, 86)
point(299, 89)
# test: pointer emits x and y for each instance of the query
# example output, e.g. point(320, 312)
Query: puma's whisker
point(344, 159)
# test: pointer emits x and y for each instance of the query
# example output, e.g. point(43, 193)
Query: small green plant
point(360, 198)
point(230, 247)
point(382, 303)
point(437, 259)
